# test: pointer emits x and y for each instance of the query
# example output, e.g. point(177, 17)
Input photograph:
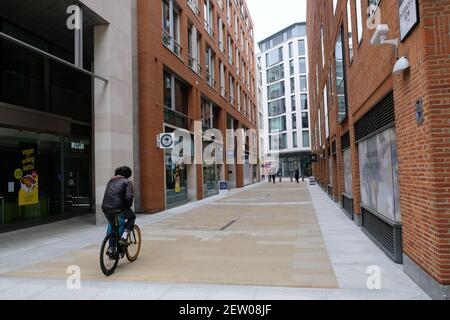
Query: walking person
point(297, 175)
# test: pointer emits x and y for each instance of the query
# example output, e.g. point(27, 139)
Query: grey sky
point(270, 16)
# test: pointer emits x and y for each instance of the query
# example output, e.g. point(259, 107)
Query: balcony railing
point(171, 43)
point(194, 65)
point(209, 29)
point(222, 91)
point(194, 7)
point(176, 118)
point(210, 80)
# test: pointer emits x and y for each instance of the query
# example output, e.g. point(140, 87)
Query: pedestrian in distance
point(297, 176)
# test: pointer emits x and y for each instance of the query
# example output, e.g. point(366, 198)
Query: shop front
point(42, 177)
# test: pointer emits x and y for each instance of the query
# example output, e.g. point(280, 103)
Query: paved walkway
point(283, 241)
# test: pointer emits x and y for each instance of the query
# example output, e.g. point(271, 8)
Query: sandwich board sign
point(223, 187)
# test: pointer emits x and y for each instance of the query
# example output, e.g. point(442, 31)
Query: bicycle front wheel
point(109, 256)
point(134, 238)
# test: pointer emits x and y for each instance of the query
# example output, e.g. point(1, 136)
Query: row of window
point(340, 61)
point(176, 99)
point(280, 141)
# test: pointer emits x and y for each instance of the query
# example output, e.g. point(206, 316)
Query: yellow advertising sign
point(177, 179)
point(29, 190)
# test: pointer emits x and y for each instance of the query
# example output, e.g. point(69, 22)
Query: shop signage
point(29, 181)
point(177, 179)
point(223, 187)
point(409, 16)
point(313, 158)
point(77, 146)
point(166, 140)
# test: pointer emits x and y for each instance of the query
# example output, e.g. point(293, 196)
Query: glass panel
point(303, 84)
point(276, 90)
point(304, 99)
point(274, 57)
point(306, 143)
point(305, 120)
point(32, 178)
point(302, 65)
point(276, 73)
point(277, 124)
point(301, 48)
point(277, 107)
point(340, 78)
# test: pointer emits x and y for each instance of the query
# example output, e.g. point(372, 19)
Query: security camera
point(401, 65)
point(380, 34)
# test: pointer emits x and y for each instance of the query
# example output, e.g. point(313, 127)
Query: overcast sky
point(270, 16)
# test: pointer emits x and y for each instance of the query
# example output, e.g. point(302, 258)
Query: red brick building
point(383, 138)
point(196, 63)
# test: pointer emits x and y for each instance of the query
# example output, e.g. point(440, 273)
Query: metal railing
point(170, 43)
point(194, 7)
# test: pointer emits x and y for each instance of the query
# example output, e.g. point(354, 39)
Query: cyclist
point(118, 200)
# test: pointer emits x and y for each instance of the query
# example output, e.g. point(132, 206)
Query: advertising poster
point(177, 179)
point(27, 175)
point(379, 182)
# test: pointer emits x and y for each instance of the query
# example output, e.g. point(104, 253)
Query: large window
point(171, 26)
point(350, 31)
point(306, 139)
point(276, 73)
point(278, 142)
point(274, 57)
point(277, 124)
point(340, 77)
point(301, 48)
point(303, 84)
point(302, 63)
point(209, 58)
point(305, 120)
point(304, 100)
point(277, 107)
point(276, 90)
point(359, 20)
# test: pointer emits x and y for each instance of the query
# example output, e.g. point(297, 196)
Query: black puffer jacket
point(119, 195)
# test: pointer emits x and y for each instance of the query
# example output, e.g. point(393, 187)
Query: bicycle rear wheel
point(109, 256)
point(134, 238)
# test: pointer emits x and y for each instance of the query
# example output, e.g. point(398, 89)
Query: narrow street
point(282, 241)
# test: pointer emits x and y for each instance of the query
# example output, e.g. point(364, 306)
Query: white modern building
point(284, 81)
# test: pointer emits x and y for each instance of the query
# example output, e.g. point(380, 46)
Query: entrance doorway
point(77, 184)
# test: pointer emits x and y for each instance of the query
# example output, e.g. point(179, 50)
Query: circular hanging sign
point(18, 174)
point(166, 140)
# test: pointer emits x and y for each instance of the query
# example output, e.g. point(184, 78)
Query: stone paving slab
point(194, 247)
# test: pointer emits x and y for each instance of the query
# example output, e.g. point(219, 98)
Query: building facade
point(284, 81)
point(382, 138)
point(196, 65)
point(66, 115)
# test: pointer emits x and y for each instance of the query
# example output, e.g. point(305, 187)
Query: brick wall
point(154, 57)
point(423, 149)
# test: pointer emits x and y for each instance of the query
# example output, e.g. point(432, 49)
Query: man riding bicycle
point(118, 200)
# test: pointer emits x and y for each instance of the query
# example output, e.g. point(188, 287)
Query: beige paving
point(274, 240)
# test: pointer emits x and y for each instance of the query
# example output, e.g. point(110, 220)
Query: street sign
point(223, 187)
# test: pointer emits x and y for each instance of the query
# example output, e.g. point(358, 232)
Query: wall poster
point(379, 174)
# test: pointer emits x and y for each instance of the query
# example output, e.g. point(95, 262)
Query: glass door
point(77, 184)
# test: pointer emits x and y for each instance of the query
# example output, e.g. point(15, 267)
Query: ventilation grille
point(381, 115)
point(348, 206)
point(387, 236)
point(345, 141)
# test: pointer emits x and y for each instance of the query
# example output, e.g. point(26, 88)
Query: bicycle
point(111, 252)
